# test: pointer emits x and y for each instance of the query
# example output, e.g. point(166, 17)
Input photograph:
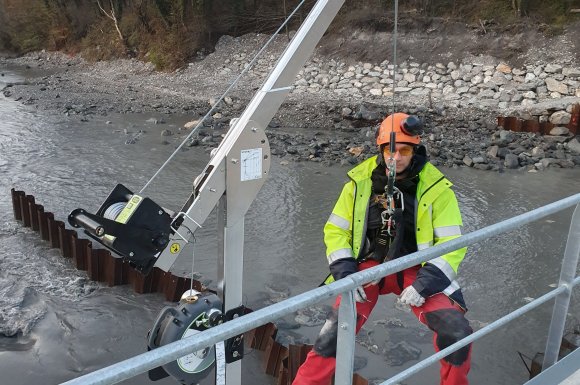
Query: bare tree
point(111, 15)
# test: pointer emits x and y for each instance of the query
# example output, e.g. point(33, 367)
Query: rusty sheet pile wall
point(99, 263)
point(512, 123)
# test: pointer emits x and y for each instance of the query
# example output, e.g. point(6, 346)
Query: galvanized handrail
point(162, 355)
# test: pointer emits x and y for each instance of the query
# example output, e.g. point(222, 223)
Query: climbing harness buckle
point(396, 200)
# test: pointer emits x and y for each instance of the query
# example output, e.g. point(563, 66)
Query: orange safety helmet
point(405, 126)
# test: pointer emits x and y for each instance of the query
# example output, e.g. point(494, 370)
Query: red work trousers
point(319, 370)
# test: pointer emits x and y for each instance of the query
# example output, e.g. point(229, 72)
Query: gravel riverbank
point(335, 107)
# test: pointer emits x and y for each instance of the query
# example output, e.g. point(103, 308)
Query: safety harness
point(390, 236)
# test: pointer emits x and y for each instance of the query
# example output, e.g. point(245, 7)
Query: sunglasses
point(403, 151)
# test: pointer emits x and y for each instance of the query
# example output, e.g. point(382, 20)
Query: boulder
point(492, 151)
point(511, 161)
point(560, 118)
point(559, 131)
point(503, 68)
point(553, 68)
point(467, 161)
point(556, 86)
point(571, 72)
point(574, 146)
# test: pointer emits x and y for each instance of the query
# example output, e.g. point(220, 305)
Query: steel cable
point(227, 91)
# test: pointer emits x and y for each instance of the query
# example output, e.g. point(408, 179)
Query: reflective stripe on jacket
point(437, 220)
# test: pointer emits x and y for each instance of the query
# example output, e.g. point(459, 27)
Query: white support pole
point(345, 342)
point(562, 303)
point(230, 274)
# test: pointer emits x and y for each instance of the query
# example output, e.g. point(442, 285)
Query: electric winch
point(196, 312)
point(131, 225)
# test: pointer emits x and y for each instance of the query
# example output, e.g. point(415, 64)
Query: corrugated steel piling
point(512, 123)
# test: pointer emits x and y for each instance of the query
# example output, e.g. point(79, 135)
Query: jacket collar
point(363, 170)
point(431, 180)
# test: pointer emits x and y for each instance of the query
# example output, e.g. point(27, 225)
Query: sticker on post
point(251, 164)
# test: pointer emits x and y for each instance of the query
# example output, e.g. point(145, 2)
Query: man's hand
point(360, 295)
point(411, 297)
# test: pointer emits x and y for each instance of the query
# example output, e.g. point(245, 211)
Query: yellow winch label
point(126, 213)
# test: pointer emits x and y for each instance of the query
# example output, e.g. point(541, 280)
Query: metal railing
point(347, 315)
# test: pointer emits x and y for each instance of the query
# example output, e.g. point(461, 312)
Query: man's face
point(403, 155)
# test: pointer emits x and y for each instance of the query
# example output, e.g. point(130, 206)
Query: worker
point(354, 236)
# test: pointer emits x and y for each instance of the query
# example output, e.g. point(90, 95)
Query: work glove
point(411, 297)
point(360, 295)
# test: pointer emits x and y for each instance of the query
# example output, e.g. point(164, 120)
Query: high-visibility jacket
point(437, 220)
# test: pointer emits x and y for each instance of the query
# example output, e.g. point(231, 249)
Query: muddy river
point(55, 324)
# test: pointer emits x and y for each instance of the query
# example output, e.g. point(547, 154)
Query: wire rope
point(192, 264)
point(395, 57)
point(227, 91)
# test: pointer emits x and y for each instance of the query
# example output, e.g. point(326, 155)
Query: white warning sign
point(251, 160)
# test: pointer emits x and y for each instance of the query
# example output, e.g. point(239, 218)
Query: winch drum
point(194, 314)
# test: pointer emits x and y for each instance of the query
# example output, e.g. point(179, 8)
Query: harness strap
point(389, 239)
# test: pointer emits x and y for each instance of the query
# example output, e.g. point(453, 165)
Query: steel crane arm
point(241, 162)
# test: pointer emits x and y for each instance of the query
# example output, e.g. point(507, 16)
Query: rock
point(345, 112)
point(492, 151)
point(549, 161)
point(571, 72)
point(191, 124)
point(193, 142)
point(155, 121)
point(560, 118)
point(478, 159)
point(356, 151)
point(574, 146)
point(503, 68)
point(553, 68)
point(538, 152)
point(511, 161)
point(559, 131)
point(166, 132)
point(556, 86)
point(364, 113)
point(467, 161)
point(506, 136)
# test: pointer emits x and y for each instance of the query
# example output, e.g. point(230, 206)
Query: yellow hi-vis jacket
point(437, 219)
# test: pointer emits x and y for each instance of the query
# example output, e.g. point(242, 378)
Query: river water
point(56, 325)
